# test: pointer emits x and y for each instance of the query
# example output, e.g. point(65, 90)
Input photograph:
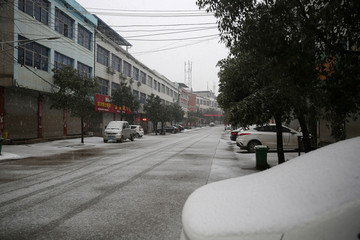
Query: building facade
point(36, 37)
point(114, 65)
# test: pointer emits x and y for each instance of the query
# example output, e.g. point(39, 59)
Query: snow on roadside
point(274, 201)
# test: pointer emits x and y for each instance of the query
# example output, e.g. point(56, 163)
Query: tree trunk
point(82, 130)
point(279, 140)
point(155, 127)
point(305, 131)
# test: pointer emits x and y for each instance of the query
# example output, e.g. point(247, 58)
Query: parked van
point(118, 131)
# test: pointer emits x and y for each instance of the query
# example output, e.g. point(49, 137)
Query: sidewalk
point(230, 162)
point(48, 148)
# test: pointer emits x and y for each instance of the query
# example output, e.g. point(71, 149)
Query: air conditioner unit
point(122, 76)
point(111, 70)
point(139, 84)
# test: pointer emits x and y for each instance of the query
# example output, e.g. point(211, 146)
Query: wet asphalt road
point(131, 190)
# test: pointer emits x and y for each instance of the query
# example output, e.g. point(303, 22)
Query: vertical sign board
point(65, 121)
point(40, 112)
point(2, 111)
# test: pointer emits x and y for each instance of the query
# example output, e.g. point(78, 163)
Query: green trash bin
point(261, 157)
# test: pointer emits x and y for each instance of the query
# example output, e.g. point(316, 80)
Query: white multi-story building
point(115, 65)
point(36, 37)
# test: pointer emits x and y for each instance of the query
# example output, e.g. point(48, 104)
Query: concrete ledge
point(37, 140)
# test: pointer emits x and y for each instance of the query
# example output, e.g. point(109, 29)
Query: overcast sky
point(196, 39)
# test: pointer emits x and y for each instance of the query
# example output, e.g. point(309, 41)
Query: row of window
point(65, 25)
point(204, 102)
point(117, 64)
point(104, 90)
point(35, 55)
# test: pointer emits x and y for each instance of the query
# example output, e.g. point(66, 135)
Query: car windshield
point(114, 125)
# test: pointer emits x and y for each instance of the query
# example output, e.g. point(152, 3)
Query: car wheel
point(131, 137)
point(138, 135)
point(105, 141)
point(251, 146)
point(121, 139)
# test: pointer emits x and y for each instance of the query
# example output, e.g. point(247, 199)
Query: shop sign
point(103, 104)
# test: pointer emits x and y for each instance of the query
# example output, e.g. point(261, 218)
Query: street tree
point(166, 114)
point(177, 113)
point(123, 96)
point(153, 110)
point(75, 93)
point(284, 42)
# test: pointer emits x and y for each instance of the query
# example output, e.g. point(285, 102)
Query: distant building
point(206, 100)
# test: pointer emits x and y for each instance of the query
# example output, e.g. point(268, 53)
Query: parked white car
point(138, 129)
point(314, 196)
point(118, 131)
point(266, 135)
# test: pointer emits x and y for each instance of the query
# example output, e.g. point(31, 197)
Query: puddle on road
point(57, 159)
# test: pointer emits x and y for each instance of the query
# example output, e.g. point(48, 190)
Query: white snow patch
point(274, 201)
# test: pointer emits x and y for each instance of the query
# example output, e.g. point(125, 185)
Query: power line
point(168, 33)
point(151, 15)
point(151, 11)
point(162, 25)
point(170, 29)
point(174, 39)
point(166, 49)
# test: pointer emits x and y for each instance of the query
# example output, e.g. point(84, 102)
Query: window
point(84, 70)
point(116, 63)
point(136, 95)
point(64, 24)
point(104, 86)
point(136, 73)
point(61, 60)
point(142, 77)
point(167, 91)
point(155, 84)
point(33, 54)
point(162, 88)
point(102, 56)
point(142, 98)
point(284, 130)
point(127, 69)
point(114, 86)
point(150, 81)
point(159, 87)
point(266, 129)
point(84, 37)
point(38, 9)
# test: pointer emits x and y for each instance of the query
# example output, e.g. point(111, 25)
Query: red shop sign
point(103, 104)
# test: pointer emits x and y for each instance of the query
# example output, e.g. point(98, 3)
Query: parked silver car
point(118, 131)
point(139, 130)
point(266, 135)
